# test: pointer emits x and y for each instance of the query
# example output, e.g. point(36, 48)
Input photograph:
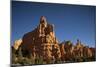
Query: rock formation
point(17, 43)
point(70, 51)
point(41, 42)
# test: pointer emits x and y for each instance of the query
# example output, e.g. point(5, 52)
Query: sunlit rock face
point(41, 41)
point(77, 51)
point(17, 43)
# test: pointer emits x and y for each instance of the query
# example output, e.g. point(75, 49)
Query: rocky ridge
point(42, 43)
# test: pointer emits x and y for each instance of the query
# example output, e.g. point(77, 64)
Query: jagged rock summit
point(41, 42)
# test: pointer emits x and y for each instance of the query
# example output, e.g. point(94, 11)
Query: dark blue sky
point(71, 22)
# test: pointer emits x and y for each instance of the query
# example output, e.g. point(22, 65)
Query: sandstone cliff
point(42, 43)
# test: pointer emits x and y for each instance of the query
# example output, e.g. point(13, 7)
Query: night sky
point(71, 22)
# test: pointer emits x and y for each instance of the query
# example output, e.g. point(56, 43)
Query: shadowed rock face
point(41, 41)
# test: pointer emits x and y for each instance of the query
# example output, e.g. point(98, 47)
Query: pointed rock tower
point(41, 42)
